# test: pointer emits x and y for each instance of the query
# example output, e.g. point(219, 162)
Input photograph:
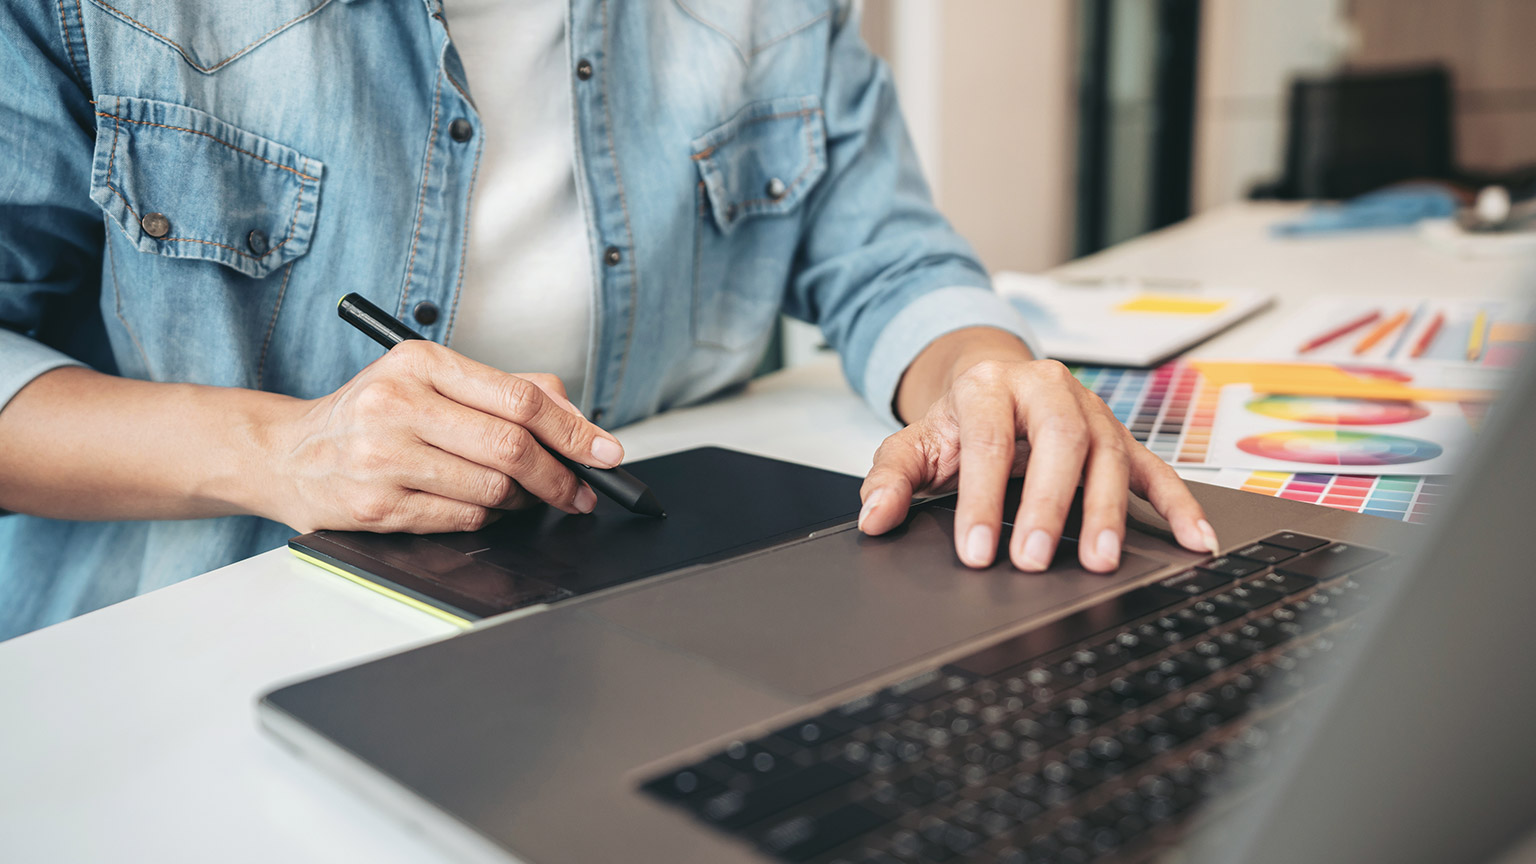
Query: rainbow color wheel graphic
point(1338, 447)
point(1333, 411)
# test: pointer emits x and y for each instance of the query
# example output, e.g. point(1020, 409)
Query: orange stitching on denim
point(747, 55)
point(629, 233)
point(68, 45)
point(85, 44)
point(453, 310)
point(112, 154)
point(810, 145)
point(293, 222)
point(183, 52)
point(421, 200)
point(210, 137)
point(261, 362)
point(710, 150)
point(758, 49)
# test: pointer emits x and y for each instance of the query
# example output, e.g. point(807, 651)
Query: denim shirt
point(186, 188)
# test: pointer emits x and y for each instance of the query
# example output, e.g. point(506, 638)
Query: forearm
point(930, 375)
point(77, 444)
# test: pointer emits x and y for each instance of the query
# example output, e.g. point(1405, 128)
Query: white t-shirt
point(526, 302)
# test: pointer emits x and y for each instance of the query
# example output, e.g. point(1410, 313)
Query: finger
point(988, 424)
point(554, 387)
point(1057, 432)
point(1106, 489)
point(505, 448)
point(429, 469)
point(897, 471)
point(1156, 481)
point(514, 399)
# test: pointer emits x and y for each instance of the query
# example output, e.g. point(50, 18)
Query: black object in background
point(1360, 131)
point(726, 503)
point(1135, 149)
point(616, 483)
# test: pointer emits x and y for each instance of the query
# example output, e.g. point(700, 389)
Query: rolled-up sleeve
point(879, 269)
point(50, 231)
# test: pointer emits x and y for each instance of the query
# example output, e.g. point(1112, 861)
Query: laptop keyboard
point(1085, 739)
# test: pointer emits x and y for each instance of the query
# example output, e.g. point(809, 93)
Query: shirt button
point(461, 130)
point(597, 416)
point(256, 241)
point(155, 224)
point(776, 189)
point(425, 313)
point(611, 256)
point(583, 69)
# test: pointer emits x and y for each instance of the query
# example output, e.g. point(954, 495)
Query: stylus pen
point(616, 483)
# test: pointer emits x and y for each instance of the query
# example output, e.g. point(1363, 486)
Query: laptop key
point(1237, 568)
point(1250, 597)
point(684, 786)
point(1265, 553)
point(1332, 562)
point(1292, 540)
point(1285, 583)
point(770, 798)
point(1193, 581)
point(804, 836)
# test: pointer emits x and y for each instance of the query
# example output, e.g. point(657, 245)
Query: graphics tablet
point(720, 503)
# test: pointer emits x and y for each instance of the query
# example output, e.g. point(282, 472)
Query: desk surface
point(130, 733)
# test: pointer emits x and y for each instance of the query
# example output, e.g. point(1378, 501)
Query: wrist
point(245, 475)
point(946, 358)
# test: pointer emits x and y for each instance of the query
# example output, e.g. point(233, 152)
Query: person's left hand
point(1006, 415)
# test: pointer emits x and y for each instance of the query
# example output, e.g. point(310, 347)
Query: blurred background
point(1050, 129)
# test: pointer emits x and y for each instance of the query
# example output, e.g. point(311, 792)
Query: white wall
point(1249, 51)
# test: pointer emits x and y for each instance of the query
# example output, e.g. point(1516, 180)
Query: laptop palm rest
point(813, 617)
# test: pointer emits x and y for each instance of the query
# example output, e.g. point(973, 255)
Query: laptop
point(843, 699)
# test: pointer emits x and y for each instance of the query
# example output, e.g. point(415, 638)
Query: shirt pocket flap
point(764, 160)
point(183, 184)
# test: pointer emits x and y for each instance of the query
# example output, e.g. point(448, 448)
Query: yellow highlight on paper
point(1165, 304)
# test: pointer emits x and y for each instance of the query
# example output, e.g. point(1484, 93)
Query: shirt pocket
point(181, 183)
point(755, 171)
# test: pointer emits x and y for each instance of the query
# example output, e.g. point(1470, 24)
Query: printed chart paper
point(1323, 433)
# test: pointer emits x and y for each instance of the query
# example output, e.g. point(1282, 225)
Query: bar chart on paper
point(1169, 409)
point(1172, 410)
point(1406, 499)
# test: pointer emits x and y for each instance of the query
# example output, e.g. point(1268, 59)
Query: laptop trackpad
point(814, 617)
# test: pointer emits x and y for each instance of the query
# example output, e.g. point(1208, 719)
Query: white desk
point(130, 734)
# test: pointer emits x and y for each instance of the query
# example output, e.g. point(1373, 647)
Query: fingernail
point(1208, 534)
point(1037, 550)
point(1109, 547)
point(606, 451)
point(586, 499)
point(979, 546)
point(874, 500)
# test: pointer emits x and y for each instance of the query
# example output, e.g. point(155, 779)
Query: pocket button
point(155, 225)
point(257, 242)
point(776, 189)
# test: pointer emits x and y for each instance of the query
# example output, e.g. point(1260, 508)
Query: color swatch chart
point(1168, 409)
point(1406, 499)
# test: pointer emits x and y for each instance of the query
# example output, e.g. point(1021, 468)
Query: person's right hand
point(425, 440)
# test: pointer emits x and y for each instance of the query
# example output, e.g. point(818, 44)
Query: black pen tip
point(647, 505)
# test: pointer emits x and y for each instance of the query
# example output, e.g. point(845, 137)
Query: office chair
point(1358, 131)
